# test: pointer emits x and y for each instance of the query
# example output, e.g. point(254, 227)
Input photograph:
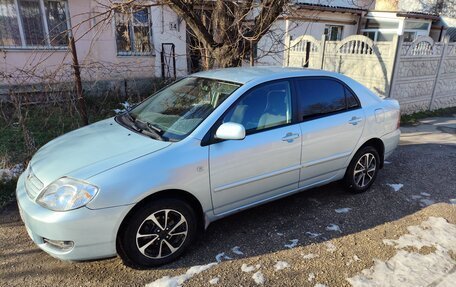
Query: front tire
point(362, 171)
point(157, 233)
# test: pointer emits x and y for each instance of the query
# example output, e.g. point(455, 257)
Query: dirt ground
point(320, 236)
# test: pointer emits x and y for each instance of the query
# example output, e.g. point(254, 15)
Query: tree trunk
point(82, 108)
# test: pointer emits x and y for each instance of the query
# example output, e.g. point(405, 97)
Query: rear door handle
point(289, 137)
point(355, 120)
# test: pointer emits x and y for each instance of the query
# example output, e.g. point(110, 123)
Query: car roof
point(243, 75)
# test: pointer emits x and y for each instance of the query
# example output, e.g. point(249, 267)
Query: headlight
point(66, 194)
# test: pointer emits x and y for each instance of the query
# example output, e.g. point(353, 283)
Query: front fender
point(181, 166)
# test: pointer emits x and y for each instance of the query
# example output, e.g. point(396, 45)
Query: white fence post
point(322, 51)
point(394, 58)
point(286, 58)
point(439, 71)
point(397, 63)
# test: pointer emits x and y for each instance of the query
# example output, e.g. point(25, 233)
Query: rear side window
point(352, 102)
point(321, 96)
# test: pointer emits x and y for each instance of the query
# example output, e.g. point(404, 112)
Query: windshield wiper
point(132, 120)
point(150, 130)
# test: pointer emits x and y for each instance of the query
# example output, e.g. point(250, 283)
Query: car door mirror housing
point(230, 131)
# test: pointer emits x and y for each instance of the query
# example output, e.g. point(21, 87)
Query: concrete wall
point(355, 56)
point(421, 77)
point(425, 76)
point(271, 46)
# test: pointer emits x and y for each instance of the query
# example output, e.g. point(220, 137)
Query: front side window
point(33, 23)
point(263, 107)
point(177, 110)
point(319, 97)
point(133, 36)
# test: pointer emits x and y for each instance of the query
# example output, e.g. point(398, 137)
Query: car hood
point(91, 150)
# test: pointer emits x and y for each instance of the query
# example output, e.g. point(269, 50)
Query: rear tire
point(157, 233)
point(362, 171)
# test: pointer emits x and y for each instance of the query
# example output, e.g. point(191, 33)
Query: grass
point(414, 119)
point(7, 192)
point(44, 123)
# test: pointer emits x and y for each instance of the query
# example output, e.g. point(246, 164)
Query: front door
point(264, 164)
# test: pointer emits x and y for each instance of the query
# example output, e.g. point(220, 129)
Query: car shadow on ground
point(310, 217)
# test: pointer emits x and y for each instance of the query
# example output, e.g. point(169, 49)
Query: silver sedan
point(144, 183)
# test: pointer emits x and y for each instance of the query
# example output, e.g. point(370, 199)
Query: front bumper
point(92, 231)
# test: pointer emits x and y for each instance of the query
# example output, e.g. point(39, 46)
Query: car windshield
point(177, 110)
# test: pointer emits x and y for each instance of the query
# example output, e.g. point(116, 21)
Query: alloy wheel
point(162, 233)
point(365, 170)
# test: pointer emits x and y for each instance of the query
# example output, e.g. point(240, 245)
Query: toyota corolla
point(141, 185)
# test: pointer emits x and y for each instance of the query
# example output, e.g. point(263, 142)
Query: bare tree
point(227, 29)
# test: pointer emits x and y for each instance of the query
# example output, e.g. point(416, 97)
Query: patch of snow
point(425, 194)
point(293, 243)
point(258, 277)
point(249, 268)
point(396, 186)
point(310, 256)
point(237, 250)
point(180, 279)
point(126, 106)
point(281, 265)
point(311, 277)
point(333, 227)
point(342, 210)
point(407, 269)
point(453, 200)
point(219, 257)
point(214, 280)
point(415, 197)
point(386, 162)
point(6, 175)
point(279, 233)
point(312, 234)
point(330, 247)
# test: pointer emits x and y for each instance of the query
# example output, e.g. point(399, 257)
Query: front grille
point(32, 184)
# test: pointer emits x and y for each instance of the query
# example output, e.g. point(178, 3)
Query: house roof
point(329, 8)
point(418, 15)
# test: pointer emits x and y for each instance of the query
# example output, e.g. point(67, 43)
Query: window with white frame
point(33, 23)
point(133, 32)
point(333, 33)
point(385, 29)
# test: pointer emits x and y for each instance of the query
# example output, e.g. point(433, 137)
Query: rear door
point(264, 164)
point(331, 124)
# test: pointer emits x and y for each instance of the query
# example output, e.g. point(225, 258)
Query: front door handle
point(355, 120)
point(289, 137)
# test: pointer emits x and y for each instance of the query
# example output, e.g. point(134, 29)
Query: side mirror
point(230, 131)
